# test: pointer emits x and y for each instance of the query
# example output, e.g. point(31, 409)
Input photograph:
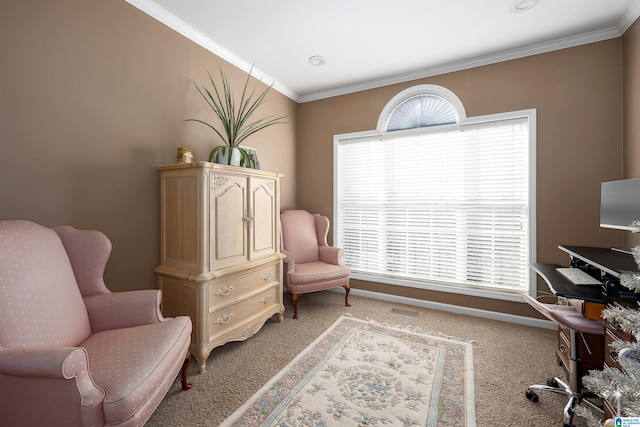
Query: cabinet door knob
point(248, 217)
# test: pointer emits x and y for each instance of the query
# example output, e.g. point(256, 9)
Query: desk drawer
point(593, 310)
point(609, 410)
point(564, 347)
point(589, 350)
point(618, 333)
point(611, 355)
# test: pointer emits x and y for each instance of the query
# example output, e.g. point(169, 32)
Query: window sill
point(504, 294)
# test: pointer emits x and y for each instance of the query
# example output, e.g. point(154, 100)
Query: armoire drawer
point(234, 287)
point(230, 317)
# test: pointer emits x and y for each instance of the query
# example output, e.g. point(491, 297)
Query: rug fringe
point(416, 329)
point(408, 327)
point(453, 337)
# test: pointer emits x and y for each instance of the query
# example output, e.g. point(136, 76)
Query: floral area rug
point(362, 373)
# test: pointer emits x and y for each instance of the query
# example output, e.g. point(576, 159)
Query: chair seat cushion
point(318, 271)
point(131, 363)
point(546, 309)
point(577, 322)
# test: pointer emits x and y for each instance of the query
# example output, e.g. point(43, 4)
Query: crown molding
point(181, 27)
point(478, 61)
point(630, 17)
point(160, 14)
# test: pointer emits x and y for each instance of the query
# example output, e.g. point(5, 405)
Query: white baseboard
point(511, 318)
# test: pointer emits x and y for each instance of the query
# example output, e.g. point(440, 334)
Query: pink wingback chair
point(72, 353)
point(312, 265)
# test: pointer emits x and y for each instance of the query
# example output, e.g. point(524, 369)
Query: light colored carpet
point(366, 373)
point(507, 358)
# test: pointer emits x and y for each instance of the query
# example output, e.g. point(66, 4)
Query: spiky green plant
point(235, 116)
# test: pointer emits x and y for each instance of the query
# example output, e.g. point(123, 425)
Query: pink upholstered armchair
point(312, 265)
point(72, 353)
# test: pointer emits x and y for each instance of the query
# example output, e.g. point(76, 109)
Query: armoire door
point(228, 205)
point(264, 229)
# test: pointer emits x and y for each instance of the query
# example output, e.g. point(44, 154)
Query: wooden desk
point(607, 265)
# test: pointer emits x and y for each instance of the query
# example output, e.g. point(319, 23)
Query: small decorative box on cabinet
point(220, 251)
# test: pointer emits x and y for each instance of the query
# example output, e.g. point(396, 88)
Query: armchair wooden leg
point(294, 298)
point(185, 367)
point(347, 288)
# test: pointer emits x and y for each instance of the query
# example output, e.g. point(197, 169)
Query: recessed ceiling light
point(519, 6)
point(317, 60)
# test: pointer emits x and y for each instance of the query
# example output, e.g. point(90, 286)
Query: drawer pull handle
point(613, 355)
point(563, 349)
point(266, 276)
point(225, 291)
point(615, 325)
point(223, 319)
point(266, 299)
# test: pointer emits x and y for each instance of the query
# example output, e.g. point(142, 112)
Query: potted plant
point(235, 119)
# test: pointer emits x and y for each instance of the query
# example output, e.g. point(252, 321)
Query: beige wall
point(93, 95)
point(631, 106)
point(578, 96)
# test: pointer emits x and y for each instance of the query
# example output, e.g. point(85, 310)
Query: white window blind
point(442, 207)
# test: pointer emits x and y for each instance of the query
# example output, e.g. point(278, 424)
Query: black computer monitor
point(620, 203)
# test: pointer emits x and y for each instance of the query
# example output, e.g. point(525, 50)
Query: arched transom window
point(421, 106)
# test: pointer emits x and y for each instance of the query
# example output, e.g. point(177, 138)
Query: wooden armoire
point(220, 251)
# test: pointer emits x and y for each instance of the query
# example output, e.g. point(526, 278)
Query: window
point(442, 205)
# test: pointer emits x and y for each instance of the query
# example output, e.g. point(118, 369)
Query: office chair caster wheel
point(531, 396)
point(551, 382)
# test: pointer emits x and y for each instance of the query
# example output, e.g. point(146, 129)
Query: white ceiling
point(372, 43)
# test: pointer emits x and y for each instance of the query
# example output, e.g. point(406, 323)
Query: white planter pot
point(222, 156)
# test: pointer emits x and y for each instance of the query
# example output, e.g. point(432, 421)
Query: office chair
point(569, 318)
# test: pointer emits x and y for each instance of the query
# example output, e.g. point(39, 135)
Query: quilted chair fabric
point(72, 352)
point(312, 265)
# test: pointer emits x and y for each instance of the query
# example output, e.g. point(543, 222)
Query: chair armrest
point(36, 378)
point(124, 309)
point(331, 255)
point(53, 363)
point(288, 259)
